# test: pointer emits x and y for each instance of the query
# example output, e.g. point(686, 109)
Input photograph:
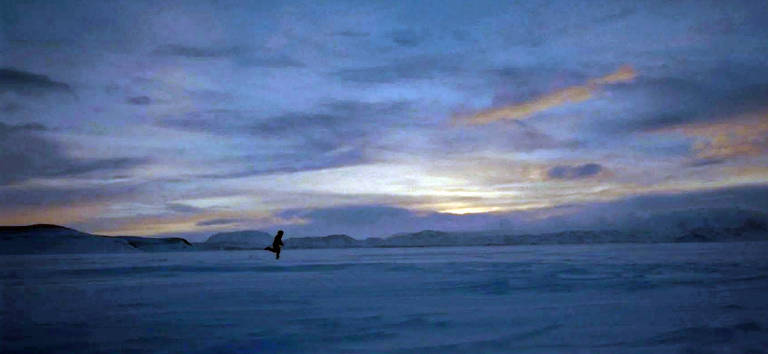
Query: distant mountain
point(430, 238)
point(247, 239)
point(45, 239)
point(696, 225)
point(331, 241)
point(426, 238)
point(735, 221)
point(748, 229)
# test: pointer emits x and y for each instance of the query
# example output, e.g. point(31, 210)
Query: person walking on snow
point(276, 244)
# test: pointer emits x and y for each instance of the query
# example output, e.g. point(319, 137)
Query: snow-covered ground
point(612, 298)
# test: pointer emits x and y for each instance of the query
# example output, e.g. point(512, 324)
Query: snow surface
point(609, 298)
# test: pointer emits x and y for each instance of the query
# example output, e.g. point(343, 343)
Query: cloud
point(29, 127)
point(26, 153)
point(352, 34)
point(701, 162)
point(515, 136)
point(750, 196)
point(636, 211)
point(270, 61)
point(10, 107)
point(210, 57)
point(337, 122)
point(721, 117)
point(573, 94)
point(295, 161)
point(335, 134)
point(139, 100)
point(624, 74)
point(408, 38)
point(633, 211)
point(178, 50)
point(380, 220)
point(183, 208)
point(702, 96)
point(350, 215)
point(221, 221)
point(334, 118)
point(659, 103)
point(574, 172)
point(737, 137)
point(413, 68)
point(520, 111)
point(27, 83)
point(33, 201)
point(240, 55)
point(363, 221)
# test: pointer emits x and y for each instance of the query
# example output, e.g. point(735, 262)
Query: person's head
point(279, 232)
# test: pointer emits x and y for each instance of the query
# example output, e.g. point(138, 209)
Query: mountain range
point(698, 225)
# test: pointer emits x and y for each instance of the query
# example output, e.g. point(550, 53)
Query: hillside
point(331, 241)
point(51, 239)
point(246, 239)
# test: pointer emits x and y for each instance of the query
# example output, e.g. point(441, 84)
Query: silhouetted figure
point(276, 244)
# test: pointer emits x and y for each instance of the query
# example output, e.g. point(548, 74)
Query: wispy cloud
point(740, 137)
point(623, 74)
point(27, 153)
point(139, 100)
point(408, 68)
point(573, 94)
point(220, 221)
point(191, 115)
point(574, 172)
point(27, 83)
point(197, 52)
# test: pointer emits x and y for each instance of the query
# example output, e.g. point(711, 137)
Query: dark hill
point(330, 241)
point(246, 239)
point(47, 238)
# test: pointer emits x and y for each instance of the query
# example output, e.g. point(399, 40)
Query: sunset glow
point(192, 118)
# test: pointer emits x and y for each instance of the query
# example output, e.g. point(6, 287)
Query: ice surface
point(611, 298)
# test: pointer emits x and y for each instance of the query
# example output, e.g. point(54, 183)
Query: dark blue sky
point(155, 117)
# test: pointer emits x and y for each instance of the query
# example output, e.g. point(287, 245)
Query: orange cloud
point(165, 224)
point(625, 74)
point(62, 215)
point(742, 136)
point(570, 95)
point(573, 94)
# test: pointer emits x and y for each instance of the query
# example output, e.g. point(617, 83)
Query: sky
point(370, 118)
